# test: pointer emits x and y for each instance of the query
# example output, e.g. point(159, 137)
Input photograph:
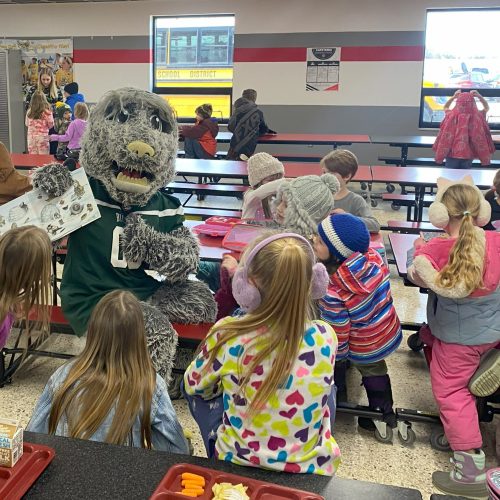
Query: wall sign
point(323, 65)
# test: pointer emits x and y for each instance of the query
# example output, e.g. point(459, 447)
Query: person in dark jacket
point(247, 124)
point(199, 139)
point(72, 96)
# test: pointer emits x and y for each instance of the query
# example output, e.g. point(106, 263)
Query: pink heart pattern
point(250, 438)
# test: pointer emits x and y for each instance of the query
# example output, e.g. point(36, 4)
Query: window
point(193, 62)
point(460, 53)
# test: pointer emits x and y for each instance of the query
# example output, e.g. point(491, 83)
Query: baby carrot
point(192, 493)
point(193, 477)
point(188, 483)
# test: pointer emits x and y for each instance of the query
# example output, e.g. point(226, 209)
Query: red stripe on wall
point(112, 56)
point(279, 54)
point(270, 54)
point(389, 53)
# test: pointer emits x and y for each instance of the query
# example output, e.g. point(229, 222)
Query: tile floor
point(363, 457)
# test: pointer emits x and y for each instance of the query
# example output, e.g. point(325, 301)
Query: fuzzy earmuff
point(438, 213)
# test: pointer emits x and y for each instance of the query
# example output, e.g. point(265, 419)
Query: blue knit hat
point(344, 234)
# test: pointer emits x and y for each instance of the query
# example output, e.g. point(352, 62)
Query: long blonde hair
point(25, 275)
point(282, 271)
point(38, 105)
point(466, 262)
point(52, 86)
point(114, 371)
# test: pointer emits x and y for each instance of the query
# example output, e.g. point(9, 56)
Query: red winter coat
point(464, 133)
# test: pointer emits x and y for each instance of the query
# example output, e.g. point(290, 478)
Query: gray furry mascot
point(139, 243)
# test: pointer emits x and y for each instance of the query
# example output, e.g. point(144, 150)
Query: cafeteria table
point(87, 470)
point(400, 244)
point(423, 177)
point(27, 161)
point(238, 169)
point(333, 140)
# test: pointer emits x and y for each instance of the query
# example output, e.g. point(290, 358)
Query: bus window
point(183, 46)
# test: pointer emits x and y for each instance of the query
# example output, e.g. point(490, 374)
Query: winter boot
point(379, 392)
point(486, 380)
point(468, 477)
point(340, 381)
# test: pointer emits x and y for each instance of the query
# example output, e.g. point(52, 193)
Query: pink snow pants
point(451, 368)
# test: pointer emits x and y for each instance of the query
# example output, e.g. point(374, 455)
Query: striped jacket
point(358, 305)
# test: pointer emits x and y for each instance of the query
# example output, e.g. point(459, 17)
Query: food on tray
point(193, 485)
point(228, 491)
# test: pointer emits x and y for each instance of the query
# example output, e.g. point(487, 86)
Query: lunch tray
point(170, 486)
point(216, 226)
point(16, 481)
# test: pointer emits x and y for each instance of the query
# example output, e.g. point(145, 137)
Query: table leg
point(419, 208)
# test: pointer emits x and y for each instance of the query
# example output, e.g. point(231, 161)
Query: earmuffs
point(246, 293)
point(438, 213)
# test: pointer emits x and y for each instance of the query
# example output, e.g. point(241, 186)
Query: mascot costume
point(139, 243)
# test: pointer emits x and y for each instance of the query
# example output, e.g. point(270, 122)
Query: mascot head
point(130, 144)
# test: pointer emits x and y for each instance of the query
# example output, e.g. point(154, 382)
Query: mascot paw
point(54, 179)
point(186, 302)
point(135, 238)
point(161, 339)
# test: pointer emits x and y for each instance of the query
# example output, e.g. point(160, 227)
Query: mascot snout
point(141, 149)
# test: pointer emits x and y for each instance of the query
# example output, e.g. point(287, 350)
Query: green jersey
point(95, 264)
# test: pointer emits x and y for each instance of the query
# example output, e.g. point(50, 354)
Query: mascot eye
point(122, 116)
point(156, 122)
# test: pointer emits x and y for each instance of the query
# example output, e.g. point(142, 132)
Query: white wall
point(362, 83)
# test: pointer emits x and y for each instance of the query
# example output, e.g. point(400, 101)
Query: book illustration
point(59, 215)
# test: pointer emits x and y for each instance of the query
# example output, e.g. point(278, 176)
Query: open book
point(59, 216)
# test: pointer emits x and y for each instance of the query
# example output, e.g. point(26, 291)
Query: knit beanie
point(344, 235)
point(309, 200)
point(262, 165)
point(71, 88)
point(250, 94)
point(60, 110)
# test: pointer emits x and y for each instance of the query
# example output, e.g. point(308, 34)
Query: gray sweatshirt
point(355, 204)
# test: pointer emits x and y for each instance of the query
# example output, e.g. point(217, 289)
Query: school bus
point(188, 59)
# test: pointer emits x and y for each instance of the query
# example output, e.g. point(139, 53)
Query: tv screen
point(461, 52)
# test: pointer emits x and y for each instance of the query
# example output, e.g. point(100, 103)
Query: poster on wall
point(55, 54)
point(323, 65)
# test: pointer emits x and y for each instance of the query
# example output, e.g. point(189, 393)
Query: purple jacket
point(73, 135)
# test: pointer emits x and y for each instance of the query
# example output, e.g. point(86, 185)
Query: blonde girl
point(462, 273)
point(25, 278)
point(47, 85)
point(111, 392)
point(39, 120)
point(64, 74)
point(260, 387)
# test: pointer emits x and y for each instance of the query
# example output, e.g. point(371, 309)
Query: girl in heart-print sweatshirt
point(270, 372)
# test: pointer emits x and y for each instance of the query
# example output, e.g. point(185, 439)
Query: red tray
point(16, 481)
point(257, 490)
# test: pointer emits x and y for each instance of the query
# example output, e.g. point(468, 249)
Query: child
point(264, 176)
point(111, 392)
point(272, 368)
point(62, 121)
point(247, 124)
point(12, 183)
point(72, 96)
point(493, 198)
point(199, 139)
point(344, 165)
point(358, 305)
point(462, 273)
point(64, 74)
point(39, 121)
point(74, 134)
point(46, 85)
point(25, 277)
point(302, 203)
point(464, 133)
point(33, 71)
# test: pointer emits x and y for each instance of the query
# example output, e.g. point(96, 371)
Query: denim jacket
point(166, 432)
